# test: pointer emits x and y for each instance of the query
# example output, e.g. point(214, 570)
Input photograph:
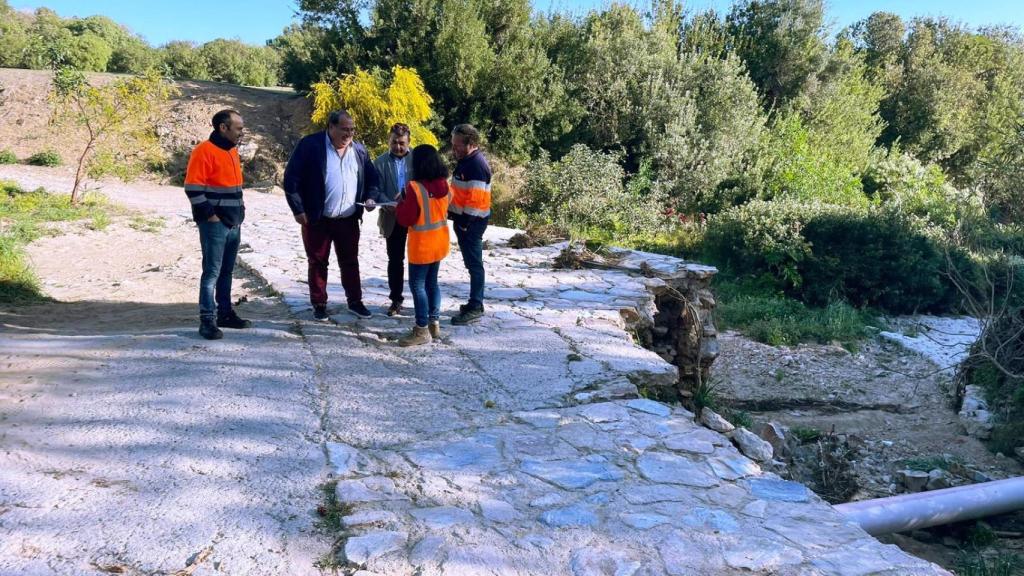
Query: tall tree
point(116, 120)
point(782, 42)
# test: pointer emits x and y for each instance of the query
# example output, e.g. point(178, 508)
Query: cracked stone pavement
point(514, 446)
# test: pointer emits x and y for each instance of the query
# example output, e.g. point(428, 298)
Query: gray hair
point(469, 134)
point(334, 118)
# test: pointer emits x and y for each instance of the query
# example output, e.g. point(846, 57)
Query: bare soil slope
point(275, 119)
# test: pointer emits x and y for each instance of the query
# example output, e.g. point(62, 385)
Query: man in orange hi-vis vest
point(213, 184)
point(470, 210)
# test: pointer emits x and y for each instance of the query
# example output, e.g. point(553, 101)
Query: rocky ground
point(132, 446)
point(889, 411)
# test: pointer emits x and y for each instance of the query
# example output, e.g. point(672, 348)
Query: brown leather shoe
point(395, 309)
point(435, 329)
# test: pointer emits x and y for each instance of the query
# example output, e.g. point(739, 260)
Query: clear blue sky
point(256, 21)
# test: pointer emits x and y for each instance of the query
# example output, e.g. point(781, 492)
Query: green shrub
point(822, 253)
point(45, 158)
point(881, 259)
point(763, 236)
point(584, 194)
point(779, 320)
point(1005, 393)
point(799, 166)
point(901, 183)
point(8, 157)
point(18, 285)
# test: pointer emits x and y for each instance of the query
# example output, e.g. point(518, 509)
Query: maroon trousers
point(317, 239)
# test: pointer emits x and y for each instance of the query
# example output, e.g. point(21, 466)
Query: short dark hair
point(468, 132)
point(400, 129)
point(334, 118)
point(427, 164)
point(223, 117)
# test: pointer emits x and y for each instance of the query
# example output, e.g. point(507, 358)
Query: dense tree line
point(713, 111)
point(758, 103)
point(43, 40)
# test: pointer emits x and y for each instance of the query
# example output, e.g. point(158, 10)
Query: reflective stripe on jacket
point(428, 238)
point(471, 187)
point(472, 197)
point(213, 183)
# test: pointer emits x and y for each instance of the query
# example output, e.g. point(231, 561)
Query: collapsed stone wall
point(682, 330)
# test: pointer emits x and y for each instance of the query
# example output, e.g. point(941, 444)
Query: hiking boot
point(395, 309)
point(359, 310)
point(419, 335)
point(232, 320)
point(320, 312)
point(208, 329)
point(435, 329)
point(468, 314)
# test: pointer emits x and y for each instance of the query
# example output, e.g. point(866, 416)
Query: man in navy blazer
point(328, 181)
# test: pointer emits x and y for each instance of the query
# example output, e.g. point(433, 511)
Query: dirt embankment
point(274, 118)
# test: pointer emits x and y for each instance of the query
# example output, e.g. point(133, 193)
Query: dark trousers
point(317, 238)
point(396, 262)
point(220, 248)
point(471, 243)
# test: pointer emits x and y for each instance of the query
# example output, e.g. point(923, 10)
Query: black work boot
point(232, 320)
point(208, 329)
point(468, 314)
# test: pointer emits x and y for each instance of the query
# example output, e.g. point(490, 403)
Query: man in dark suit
point(328, 181)
point(395, 168)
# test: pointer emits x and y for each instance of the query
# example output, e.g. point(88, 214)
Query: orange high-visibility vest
point(471, 197)
point(428, 238)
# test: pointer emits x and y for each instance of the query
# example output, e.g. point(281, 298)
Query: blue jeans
point(426, 296)
point(220, 248)
point(471, 243)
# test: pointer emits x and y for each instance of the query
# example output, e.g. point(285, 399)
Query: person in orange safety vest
point(424, 210)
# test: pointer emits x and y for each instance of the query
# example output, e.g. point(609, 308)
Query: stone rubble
point(752, 445)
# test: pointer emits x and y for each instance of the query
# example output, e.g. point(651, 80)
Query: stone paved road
point(511, 447)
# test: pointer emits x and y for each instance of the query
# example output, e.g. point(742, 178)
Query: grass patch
point(144, 223)
point(8, 157)
point(973, 563)
point(739, 418)
point(705, 396)
point(45, 158)
point(26, 216)
point(755, 308)
point(928, 463)
point(805, 434)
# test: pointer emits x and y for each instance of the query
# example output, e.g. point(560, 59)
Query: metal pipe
point(935, 507)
